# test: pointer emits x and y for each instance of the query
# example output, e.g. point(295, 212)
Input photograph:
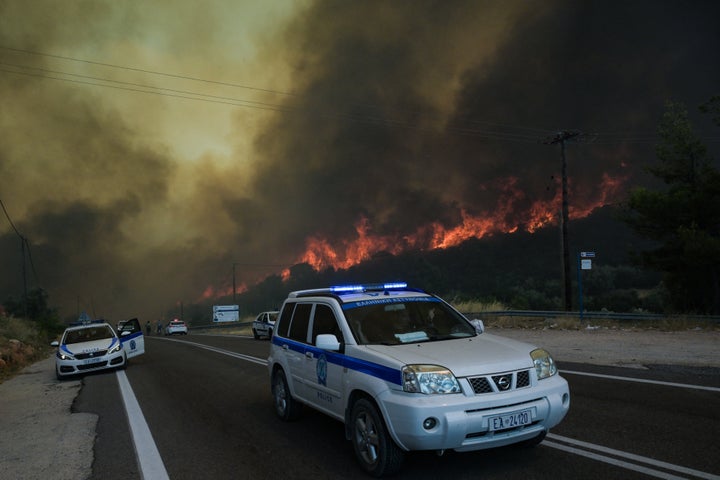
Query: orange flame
point(211, 291)
point(320, 253)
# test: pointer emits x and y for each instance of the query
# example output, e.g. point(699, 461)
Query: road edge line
point(146, 452)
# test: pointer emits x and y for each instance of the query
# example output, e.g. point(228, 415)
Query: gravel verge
point(40, 436)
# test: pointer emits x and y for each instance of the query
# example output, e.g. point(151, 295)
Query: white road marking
point(259, 361)
point(579, 445)
point(642, 380)
point(148, 456)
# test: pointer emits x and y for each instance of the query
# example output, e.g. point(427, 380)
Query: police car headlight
point(64, 356)
point(429, 379)
point(544, 364)
point(116, 348)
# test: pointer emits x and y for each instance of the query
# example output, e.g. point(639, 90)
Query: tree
point(35, 307)
point(684, 217)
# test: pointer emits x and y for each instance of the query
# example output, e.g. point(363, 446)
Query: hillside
point(520, 270)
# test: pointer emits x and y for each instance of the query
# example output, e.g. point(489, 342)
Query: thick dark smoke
point(400, 113)
point(410, 112)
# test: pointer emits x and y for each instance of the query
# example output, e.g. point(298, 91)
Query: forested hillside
point(518, 270)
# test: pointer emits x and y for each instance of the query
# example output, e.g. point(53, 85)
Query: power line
point(148, 89)
point(7, 215)
point(184, 77)
point(382, 120)
point(141, 70)
point(181, 93)
point(498, 132)
point(24, 244)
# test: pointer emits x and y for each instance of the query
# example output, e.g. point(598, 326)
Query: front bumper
point(462, 420)
point(73, 367)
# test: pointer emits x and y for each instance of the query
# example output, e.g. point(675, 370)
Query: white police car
point(263, 324)
point(176, 327)
point(405, 371)
point(93, 345)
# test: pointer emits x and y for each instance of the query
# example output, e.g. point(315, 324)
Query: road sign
point(587, 254)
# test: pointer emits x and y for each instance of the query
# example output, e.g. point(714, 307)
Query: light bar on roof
point(347, 288)
point(364, 288)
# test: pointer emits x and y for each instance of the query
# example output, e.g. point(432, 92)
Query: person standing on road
point(159, 327)
point(148, 328)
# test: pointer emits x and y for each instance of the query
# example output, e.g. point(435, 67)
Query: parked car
point(406, 371)
point(263, 324)
point(176, 327)
point(93, 345)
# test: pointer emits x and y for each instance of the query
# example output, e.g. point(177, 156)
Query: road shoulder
point(41, 437)
point(624, 348)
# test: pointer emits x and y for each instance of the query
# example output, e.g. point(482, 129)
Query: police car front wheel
point(375, 450)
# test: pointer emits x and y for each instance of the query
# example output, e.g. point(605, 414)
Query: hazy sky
point(145, 146)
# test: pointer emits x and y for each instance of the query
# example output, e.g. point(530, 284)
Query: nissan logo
point(503, 383)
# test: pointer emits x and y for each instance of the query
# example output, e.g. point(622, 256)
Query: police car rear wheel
point(375, 450)
point(286, 407)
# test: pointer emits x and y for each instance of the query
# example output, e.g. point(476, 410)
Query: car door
point(132, 338)
point(323, 369)
point(264, 324)
point(296, 349)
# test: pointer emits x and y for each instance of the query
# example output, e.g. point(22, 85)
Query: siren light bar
point(368, 287)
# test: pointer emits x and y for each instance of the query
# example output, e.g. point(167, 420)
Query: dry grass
point(21, 344)
point(477, 306)
point(665, 324)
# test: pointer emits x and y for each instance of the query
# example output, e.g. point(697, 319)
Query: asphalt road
point(209, 414)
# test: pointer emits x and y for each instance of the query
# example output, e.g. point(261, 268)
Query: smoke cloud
point(146, 148)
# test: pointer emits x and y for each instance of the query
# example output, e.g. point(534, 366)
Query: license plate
point(90, 361)
point(511, 420)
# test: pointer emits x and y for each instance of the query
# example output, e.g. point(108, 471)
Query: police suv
point(406, 371)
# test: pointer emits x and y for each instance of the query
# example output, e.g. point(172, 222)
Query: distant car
point(92, 346)
point(406, 371)
point(176, 327)
point(264, 324)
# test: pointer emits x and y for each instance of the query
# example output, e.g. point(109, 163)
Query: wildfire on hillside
point(225, 291)
point(321, 252)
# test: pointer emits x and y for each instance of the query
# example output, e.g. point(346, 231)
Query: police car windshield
point(89, 334)
point(411, 320)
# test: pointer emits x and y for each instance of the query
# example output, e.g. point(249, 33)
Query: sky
point(148, 149)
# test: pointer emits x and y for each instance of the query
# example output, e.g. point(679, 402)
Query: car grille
point(90, 366)
point(83, 356)
point(501, 382)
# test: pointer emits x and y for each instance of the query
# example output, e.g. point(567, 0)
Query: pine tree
point(684, 217)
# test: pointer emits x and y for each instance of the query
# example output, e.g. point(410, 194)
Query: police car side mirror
point(478, 324)
point(55, 343)
point(125, 333)
point(327, 341)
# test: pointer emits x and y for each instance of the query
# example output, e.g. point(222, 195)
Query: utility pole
point(234, 289)
point(23, 241)
point(562, 137)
